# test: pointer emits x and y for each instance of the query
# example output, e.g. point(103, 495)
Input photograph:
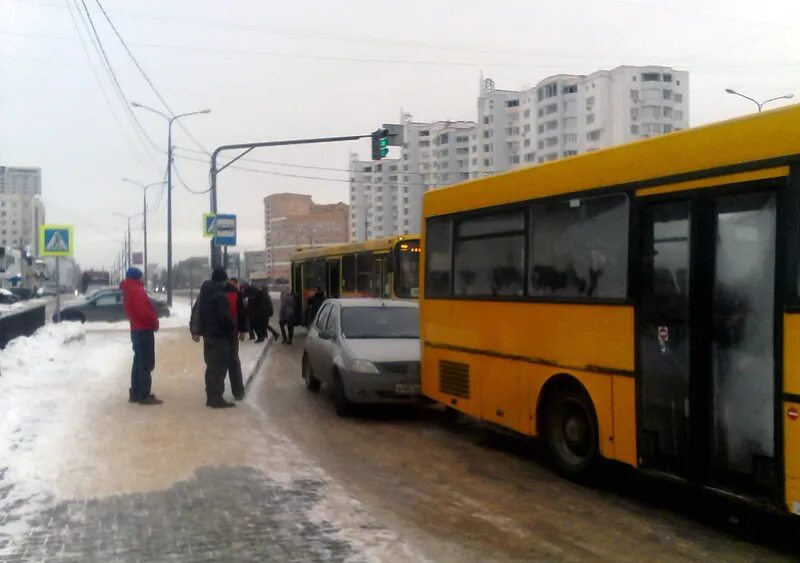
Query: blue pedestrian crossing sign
point(55, 240)
point(209, 222)
point(224, 229)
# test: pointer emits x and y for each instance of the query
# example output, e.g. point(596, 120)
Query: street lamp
point(144, 216)
point(170, 120)
point(128, 237)
point(760, 105)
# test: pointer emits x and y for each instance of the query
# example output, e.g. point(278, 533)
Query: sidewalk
point(177, 482)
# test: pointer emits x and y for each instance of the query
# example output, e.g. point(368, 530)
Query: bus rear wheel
point(571, 431)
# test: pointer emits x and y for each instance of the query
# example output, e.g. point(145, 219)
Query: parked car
point(21, 293)
point(45, 292)
point(7, 297)
point(104, 306)
point(367, 350)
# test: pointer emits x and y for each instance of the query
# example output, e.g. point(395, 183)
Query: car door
point(107, 308)
point(330, 348)
point(313, 341)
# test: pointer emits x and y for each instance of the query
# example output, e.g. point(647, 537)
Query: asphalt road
point(460, 491)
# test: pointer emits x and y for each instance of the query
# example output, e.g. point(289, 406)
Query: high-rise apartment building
point(21, 208)
point(293, 221)
point(561, 116)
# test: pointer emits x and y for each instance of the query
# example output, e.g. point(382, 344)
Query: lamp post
point(144, 216)
point(170, 121)
point(760, 105)
point(127, 245)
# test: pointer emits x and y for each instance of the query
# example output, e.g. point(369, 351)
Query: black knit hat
point(219, 275)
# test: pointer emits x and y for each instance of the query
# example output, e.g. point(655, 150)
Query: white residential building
point(21, 216)
point(20, 181)
point(561, 116)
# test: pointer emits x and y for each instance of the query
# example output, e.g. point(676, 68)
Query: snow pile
point(25, 353)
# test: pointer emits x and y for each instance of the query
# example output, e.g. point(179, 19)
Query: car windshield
point(380, 322)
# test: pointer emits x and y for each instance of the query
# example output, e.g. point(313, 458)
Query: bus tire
point(571, 430)
point(312, 383)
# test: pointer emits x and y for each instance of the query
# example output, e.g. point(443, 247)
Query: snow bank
point(25, 353)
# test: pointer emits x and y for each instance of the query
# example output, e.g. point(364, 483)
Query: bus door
point(706, 332)
point(333, 271)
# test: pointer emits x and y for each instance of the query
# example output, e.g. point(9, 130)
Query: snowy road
point(85, 476)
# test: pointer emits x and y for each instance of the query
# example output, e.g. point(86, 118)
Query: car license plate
point(407, 388)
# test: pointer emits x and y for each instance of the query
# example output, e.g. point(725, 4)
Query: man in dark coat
point(314, 304)
point(212, 319)
point(259, 310)
point(239, 315)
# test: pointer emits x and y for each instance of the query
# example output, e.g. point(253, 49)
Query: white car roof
point(372, 302)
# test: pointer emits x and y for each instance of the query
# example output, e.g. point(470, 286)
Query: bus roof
point(771, 138)
point(385, 243)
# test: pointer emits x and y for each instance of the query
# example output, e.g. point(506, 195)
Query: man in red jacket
point(144, 323)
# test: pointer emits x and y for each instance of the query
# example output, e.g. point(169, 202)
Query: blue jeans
point(144, 361)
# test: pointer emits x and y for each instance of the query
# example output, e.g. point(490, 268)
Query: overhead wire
point(145, 76)
point(98, 44)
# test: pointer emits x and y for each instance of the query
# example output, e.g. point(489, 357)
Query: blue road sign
point(225, 230)
point(55, 240)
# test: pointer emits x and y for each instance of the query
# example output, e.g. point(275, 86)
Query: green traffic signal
point(384, 142)
point(384, 152)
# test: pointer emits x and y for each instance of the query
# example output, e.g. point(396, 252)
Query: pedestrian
point(239, 316)
point(144, 324)
point(286, 318)
point(269, 310)
point(314, 304)
point(211, 319)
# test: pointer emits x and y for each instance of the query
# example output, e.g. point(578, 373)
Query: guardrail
point(23, 322)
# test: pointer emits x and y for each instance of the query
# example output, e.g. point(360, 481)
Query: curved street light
point(170, 119)
point(760, 105)
point(144, 216)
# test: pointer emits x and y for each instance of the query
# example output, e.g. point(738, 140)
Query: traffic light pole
point(246, 148)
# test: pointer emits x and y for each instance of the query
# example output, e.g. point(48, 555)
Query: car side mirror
point(326, 335)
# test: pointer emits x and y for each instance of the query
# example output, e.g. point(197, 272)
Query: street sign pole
point(58, 293)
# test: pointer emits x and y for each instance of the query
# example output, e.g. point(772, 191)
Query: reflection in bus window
point(406, 278)
point(579, 247)
point(438, 241)
point(490, 266)
point(349, 273)
point(364, 285)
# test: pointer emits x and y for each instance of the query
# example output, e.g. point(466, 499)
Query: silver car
point(367, 350)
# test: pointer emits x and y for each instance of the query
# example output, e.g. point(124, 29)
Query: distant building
point(254, 261)
point(20, 181)
point(561, 116)
point(294, 220)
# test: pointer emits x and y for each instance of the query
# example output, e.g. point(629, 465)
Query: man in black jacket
point(212, 319)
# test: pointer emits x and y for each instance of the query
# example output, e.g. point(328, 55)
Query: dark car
point(22, 293)
point(7, 297)
point(105, 307)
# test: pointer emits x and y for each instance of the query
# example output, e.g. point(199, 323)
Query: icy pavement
point(85, 476)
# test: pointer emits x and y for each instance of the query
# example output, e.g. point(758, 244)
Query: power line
point(100, 83)
point(144, 74)
point(98, 44)
point(185, 186)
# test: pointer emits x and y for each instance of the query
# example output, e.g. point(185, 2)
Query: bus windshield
point(406, 272)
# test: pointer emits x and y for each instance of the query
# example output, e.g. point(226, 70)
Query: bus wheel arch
point(567, 420)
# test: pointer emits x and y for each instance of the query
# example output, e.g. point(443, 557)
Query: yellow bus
point(384, 267)
point(637, 304)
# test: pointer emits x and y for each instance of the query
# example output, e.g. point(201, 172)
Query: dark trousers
point(144, 361)
point(217, 355)
point(262, 332)
point(287, 326)
point(235, 369)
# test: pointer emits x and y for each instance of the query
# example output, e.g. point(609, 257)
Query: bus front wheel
point(571, 430)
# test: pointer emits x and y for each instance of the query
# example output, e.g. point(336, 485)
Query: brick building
point(294, 220)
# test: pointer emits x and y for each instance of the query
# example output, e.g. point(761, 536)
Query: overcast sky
point(276, 70)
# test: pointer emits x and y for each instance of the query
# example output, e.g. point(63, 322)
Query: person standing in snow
point(212, 320)
point(144, 324)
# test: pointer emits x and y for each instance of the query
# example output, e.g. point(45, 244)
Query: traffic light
point(380, 144)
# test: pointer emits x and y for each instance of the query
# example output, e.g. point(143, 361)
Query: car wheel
point(312, 383)
point(571, 431)
point(343, 405)
point(73, 317)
